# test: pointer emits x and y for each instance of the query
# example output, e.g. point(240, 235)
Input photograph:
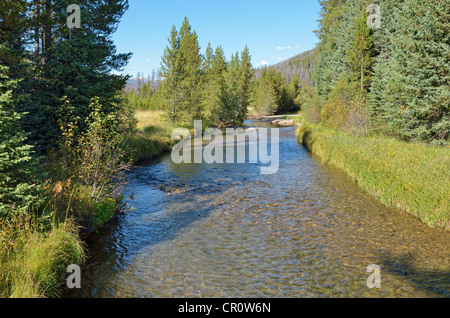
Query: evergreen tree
point(266, 100)
point(189, 54)
point(214, 69)
point(246, 75)
point(412, 100)
point(360, 53)
point(229, 99)
point(75, 63)
point(16, 161)
point(171, 73)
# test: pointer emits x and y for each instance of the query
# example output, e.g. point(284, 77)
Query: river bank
point(152, 138)
point(35, 251)
point(410, 177)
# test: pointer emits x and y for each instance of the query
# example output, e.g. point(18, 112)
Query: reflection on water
point(226, 231)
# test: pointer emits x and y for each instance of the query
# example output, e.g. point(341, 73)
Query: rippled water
point(227, 231)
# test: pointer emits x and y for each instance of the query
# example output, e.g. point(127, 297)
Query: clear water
point(226, 231)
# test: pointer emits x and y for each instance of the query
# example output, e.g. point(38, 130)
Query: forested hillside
point(300, 66)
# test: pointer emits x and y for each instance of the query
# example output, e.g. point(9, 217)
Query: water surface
point(199, 230)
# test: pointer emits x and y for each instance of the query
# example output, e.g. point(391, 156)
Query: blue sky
point(273, 30)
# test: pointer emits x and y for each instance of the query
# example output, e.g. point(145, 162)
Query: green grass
point(35, 254)
point(153, 137)
point(411, 177)
point(33, 262)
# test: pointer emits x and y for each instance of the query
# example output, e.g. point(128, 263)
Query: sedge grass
point(412, 177)
point(33, 262)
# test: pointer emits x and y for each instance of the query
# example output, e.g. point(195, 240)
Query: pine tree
point(191, 60)
point(410, 96)
point(266, 100)
point(336, 30)
point(16, 161)
point(75, 63)
point(171, 73)
point(229, 98)
point(246, 75)
point(215, 67)
point(360, 53)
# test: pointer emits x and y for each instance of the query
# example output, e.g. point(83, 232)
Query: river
point(225, 230)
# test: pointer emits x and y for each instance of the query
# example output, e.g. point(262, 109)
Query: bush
point(94, 157)
point(105, 211)
point(346, 108)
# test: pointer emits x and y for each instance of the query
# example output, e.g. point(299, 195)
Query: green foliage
point(346, 108)
point(272, 95)
point(266, 99)
point(17, 165)
point(74, 63)
point(96, 156)
point(410, 94)
point(415, 179)
point(402, 68)
point(359, 56)
point(105, 211)
point(205, 87)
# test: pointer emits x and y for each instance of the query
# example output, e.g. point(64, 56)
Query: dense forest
point(393, 79)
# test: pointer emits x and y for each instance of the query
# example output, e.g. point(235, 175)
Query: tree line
point(206, 86)
point(393, 79)
point(60, 103)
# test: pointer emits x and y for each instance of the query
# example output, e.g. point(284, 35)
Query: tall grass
point(34, 260)
point(153, 136)
point(408, 176)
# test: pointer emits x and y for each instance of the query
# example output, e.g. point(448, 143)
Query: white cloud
point(263, 63)
point(282, 48)
point(280, 59)
point(148, 60)
point(298, 46)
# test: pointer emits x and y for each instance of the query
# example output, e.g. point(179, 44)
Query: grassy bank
point(152, 138)
point(35, 252)
point(408, 176)
point(33, 260)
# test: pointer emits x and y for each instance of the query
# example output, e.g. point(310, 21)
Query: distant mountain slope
point(301, 65)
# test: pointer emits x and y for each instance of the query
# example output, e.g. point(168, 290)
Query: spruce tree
point(411, 99)
point(16, 161)
point(246, 75)
point(76, 63)
point(213, 87)
point(191, 72)
point(360, 53)
point(171, 73)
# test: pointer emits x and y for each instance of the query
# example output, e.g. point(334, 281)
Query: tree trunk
point(47, 31)
point(36, 13)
